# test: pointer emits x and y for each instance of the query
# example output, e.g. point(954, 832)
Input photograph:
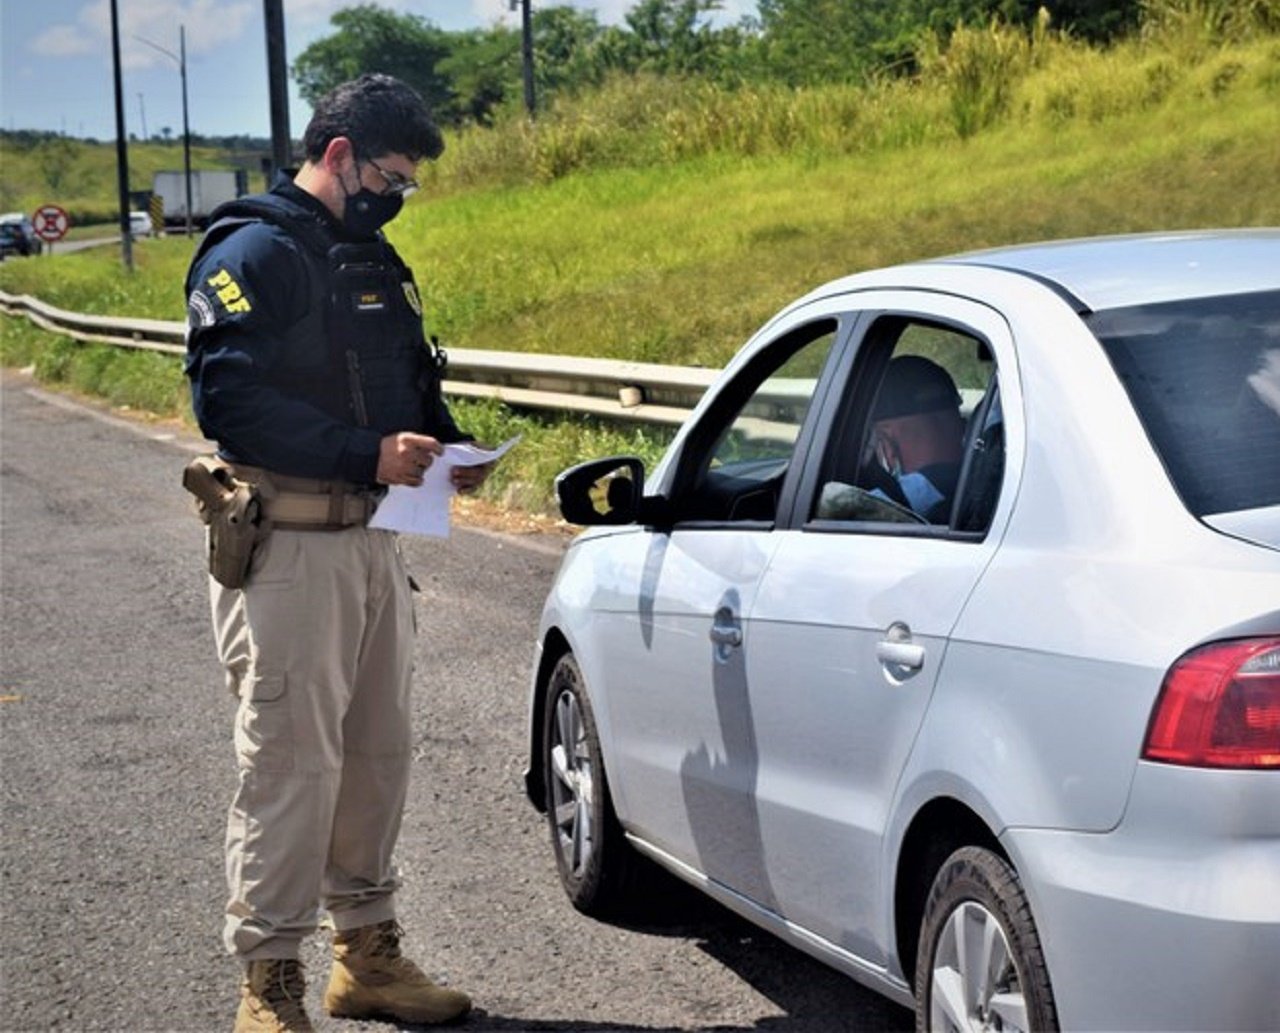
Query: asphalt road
point(117, 769)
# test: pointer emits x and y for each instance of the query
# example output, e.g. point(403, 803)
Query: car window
point(1204, 377)
point(920, 440)
point(739, 459)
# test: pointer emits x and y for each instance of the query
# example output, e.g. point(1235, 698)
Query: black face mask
point(364, 212)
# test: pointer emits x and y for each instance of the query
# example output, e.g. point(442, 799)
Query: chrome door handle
point(900, 654)
point(726, 635)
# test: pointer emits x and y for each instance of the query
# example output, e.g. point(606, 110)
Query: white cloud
point(209, 25)
point(64, 41)
point(487, 12)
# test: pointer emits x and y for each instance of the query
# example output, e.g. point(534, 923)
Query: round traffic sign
point(50, 222)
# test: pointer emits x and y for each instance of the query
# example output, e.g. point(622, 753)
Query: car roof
point(1115, 272)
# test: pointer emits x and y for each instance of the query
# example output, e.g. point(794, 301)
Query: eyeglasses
point(397, 185)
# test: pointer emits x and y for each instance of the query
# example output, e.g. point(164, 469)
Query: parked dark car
point(13, 242)
point(18, 235)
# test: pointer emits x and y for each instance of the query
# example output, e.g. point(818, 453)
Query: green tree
point(812, 41)
point(671, 35)
point(566, 47)
point(483, 71)
point(369, 38)
point(808, 41)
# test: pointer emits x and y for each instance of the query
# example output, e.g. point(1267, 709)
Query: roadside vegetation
point(80, 175)
point(662, 218)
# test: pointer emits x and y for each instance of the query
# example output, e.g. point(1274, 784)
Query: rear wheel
point(597, 866)
point(981, 966)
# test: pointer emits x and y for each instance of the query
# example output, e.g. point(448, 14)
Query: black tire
point(598, 868)
point(973, 889)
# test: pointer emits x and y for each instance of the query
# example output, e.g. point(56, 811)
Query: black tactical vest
point(374, 366)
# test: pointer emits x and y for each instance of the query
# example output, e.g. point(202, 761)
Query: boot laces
point(384, 942)
point(283, 990)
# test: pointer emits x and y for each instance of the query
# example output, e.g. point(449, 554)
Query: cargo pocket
point(264, 724)
point(274, 563)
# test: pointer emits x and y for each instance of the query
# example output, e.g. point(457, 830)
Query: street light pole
point(277, 85)
point(526, 51)
point(122, 147)
point(186, 125)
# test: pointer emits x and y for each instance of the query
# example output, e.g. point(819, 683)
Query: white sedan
point(944, 643)
point(139, 224)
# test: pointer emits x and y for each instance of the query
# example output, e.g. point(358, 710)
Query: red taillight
point(1219, 707)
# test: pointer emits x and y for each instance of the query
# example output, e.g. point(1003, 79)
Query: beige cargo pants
point(318, 648)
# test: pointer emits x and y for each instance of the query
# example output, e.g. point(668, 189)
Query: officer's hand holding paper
point(425, 509)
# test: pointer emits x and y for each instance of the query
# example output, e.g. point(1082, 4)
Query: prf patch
point(228, 292)
point(368, 301)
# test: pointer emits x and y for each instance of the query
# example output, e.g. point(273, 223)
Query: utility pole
point(186, 126)
point(181, 58)
point(277, 84)
point(526, 51)
point(122, 146)
point(142, 111)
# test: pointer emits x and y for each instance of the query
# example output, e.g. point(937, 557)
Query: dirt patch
point(473, 512)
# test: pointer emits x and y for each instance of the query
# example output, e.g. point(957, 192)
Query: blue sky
point(55, 59)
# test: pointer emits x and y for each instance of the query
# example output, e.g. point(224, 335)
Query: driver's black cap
point(913, 384)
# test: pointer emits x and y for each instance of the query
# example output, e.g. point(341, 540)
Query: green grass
point(146, 381)
point(665, 222)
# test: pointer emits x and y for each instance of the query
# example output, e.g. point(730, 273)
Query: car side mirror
point(604, 492)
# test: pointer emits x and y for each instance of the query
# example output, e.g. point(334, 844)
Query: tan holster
point(234, 511)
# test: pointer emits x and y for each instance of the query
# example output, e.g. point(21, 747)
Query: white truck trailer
point(209, 188)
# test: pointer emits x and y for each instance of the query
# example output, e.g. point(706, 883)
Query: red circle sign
point(50, 223)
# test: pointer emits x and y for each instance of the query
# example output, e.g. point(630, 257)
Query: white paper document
point(425, 509)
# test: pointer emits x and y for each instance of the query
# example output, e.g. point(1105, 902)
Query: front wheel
point(981, 966)
point(598, 868)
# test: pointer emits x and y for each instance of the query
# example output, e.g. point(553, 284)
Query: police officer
point(309, 367)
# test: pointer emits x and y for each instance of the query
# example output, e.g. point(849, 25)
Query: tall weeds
point(1194, 24)
point(978, 78)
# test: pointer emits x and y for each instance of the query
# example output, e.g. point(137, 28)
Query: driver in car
point(917, 434)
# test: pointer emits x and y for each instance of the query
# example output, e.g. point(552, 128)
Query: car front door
point(684, 766)
point(849, 625)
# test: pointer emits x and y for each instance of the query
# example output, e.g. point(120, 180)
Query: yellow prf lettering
point(229, 292)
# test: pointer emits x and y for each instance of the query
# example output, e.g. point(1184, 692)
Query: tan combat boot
point(271, 998)
point(372, 978)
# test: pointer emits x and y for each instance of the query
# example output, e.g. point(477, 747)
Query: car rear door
point(849, 626)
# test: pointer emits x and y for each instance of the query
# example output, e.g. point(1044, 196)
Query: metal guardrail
point(629, 392)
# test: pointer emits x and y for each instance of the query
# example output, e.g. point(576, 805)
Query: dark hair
point(379, 114)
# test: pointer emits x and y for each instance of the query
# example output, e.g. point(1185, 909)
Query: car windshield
point(1204, 377)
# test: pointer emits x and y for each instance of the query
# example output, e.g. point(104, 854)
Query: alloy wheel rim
point(975, 983)
point(572, 785)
